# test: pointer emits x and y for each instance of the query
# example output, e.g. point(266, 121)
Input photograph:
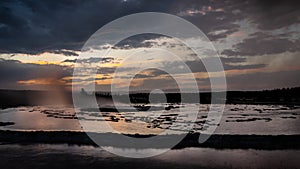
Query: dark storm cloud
point(70, 61)
point(90, 60)
point(12, 71)
point(268, 14)
point(88, 71)
point(217, 19)
point(151, 84)
point(265, 80)
point(261, 44)
point(137, 41)
point(232, 60)
point(86, 79)
point(195, 66)
point(148, 73)
point(211, 63)
point(36, 26)
point(108, 71)
point(66, 53)
point(198, 66)
point(260, 80)
point(272, 14)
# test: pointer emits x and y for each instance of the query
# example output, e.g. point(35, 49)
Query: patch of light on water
point(237, 119)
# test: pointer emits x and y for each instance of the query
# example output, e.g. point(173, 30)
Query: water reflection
point(63, 156)
point(237, 119)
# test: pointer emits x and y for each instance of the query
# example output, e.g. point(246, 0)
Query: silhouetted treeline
point(278, 96)
point(288, 96)
point(285, 96)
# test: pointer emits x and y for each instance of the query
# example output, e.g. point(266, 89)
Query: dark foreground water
point(261, 120)
point(83, 157)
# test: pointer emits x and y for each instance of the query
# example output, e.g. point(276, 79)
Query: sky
point(257, 42)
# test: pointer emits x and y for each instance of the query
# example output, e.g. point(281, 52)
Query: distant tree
point(83, 92)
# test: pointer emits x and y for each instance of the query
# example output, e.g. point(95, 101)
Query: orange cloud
point(43, 81)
